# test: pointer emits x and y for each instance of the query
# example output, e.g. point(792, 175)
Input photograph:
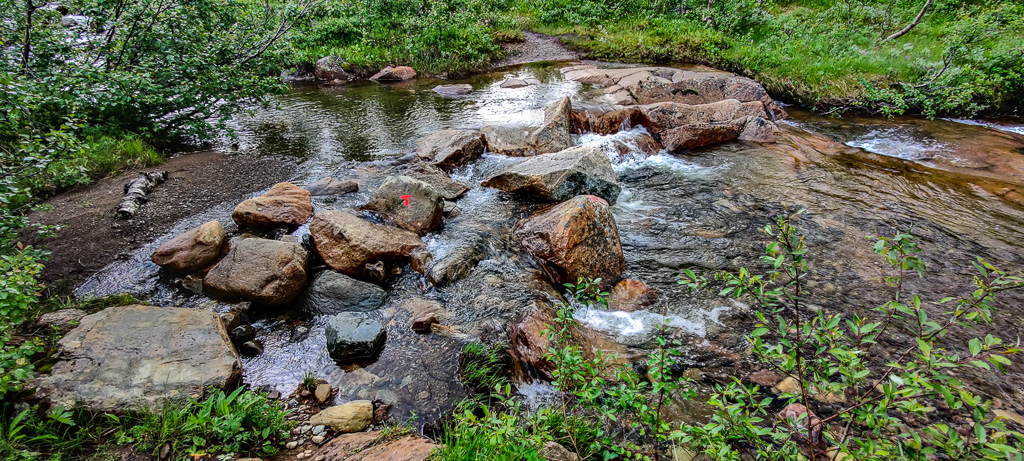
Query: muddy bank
point(91, 238)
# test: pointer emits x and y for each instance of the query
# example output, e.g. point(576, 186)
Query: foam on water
point(538, 394)
point(1018, 129)
point(898, 142)
point(643, 323)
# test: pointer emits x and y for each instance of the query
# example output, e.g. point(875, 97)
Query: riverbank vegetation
point(839, 399)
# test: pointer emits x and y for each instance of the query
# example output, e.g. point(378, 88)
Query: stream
point(958, 184)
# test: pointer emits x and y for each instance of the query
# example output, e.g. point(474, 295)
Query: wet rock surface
point(261, 270)
point(331, 293)
point(348, 243)
point(450, 148)
point(193, 250)
point(409, 203)
point(332, 186)
point(437, 178)
point(352, 336)
point(560, 176)
point(134, 357)
point(575, 239)
point(284, 205)
point(453, 90)
point(555, 133)
point(394, 74)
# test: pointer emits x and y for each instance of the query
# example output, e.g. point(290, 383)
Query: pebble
point(317, 439)
point(423, 395)
point(300, 456)
point(318, 429)
point(291, 445)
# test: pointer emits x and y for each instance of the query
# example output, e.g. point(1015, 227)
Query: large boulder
point(394, 74)
point(450, 148)
point(195, 249)
point(135, 357)
point(508, 140)
point(615, 120)
point(350, 417)
point(555, 133)
point(696, 135)
point(682, 127)
point(260, 270)
point(331, 70)
point(331, 293)
point(284, 205)
point(577, 238)
point(436, 177)
point(409, 203)
point(646, 85)
point(352, 336)
point(347, 243)
point(560, 176)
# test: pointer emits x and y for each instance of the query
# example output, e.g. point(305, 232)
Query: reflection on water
point(957, 185)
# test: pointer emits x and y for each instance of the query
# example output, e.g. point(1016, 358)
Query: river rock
point(508, 140)
point(631, 295)
point(260, 270)
point(553, 451)
point(331, 70)
point(450, 148)
point(135, 357)
point(577, 238)
point(322, 392)
point(616, 120)
point(394, 74)
point(560, 176)
point(531, 346)
point(372, 446)
point(352, 336)
point(554, 134)
point(425, 323)
point(682, 126)
point(436, 177)
point(421, 214)
point(347, 243)
point(458, 263)
point(331, 293)
point(460, 89)
point(195, 249)
point(62, 319)
point(646, 85)
point(698, 135)
point(331, 186)
point(350, 417)
point(284, 205)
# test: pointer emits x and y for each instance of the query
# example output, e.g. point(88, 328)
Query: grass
point(100, 156)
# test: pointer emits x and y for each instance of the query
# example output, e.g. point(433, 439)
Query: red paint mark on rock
point(406, 198)
point(596, 199)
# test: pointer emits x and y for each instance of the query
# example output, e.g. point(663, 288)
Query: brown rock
point(765, 378)
point(350, 417)
point(261, 270)
point(668, 115)
point(421, 213)
point(617, 120)
point(696, 135)
point(553, 451)
point(554, 134)
point(424, 324)
point(193, 250)
point(631, 295)
point(369, 446)
point(284, 205)
point(531, 346)
point(577, 238)
point(347, 242)
point(322, 392)
point(450, 148)
point(394, 74)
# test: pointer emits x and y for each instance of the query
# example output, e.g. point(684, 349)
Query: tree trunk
point(903, 31)
point(26, 48)
point(135, 193)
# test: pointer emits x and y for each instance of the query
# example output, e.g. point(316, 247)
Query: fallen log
point(135, 193)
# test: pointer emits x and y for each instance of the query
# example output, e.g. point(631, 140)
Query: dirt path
point(91, 238)
point(536, 48)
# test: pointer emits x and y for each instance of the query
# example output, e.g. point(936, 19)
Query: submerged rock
point(512, 83)
point(560, 176)
point(394, 74)
point(194, 250)
point(331, 293)
point(458, 262)
point(347, 243)
point(260, 270)
point(409, 203)
point(284, 205)
point(134, 357)
point(555, 133)
point(460, 89)
point(351, 417)
point(331, 186)
point(352, 336)
point(450, 148)
point(577, 238)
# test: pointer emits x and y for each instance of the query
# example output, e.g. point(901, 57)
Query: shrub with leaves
point(857, 397)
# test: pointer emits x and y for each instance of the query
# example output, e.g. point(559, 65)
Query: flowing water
point(958, 184)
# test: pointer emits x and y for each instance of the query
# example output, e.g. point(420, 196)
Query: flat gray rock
point(331, 293)
point(560, 176)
